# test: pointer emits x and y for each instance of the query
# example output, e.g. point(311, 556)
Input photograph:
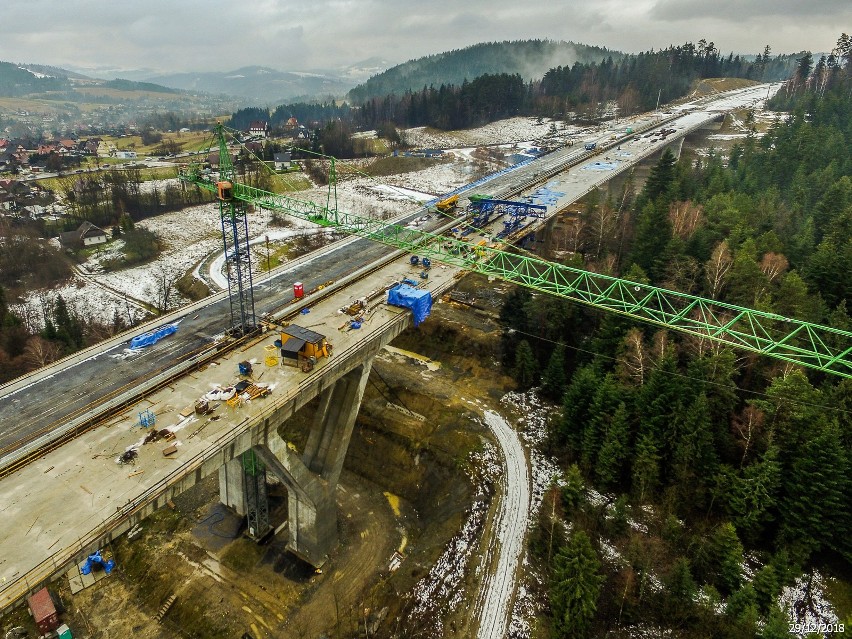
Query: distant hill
point(258, 85)
point(69, 98)
point(16, 81)
point(129, 85)
point(38, 80)
point(55, 72)
point(531, 59)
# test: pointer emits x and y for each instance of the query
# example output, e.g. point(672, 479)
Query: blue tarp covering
point(418, 300)
point(94, 559)
point(141, 341)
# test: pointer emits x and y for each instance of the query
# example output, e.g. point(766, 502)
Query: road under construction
point(62, 494)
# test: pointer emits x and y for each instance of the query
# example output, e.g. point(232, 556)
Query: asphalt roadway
point(49, 401)
point(53, 399)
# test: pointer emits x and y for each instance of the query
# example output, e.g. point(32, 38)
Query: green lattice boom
point(812, 345)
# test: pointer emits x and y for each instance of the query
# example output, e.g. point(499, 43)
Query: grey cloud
point(738, 10)
point(203, 35)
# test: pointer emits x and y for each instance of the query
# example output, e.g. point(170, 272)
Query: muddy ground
point(405, 488)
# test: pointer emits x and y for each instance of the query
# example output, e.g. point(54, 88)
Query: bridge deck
point(59, 506)
point(72, 496)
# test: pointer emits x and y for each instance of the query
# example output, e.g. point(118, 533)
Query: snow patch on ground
point(806, 603)
point(441, 591)
point(545, 472)
point(82, 298)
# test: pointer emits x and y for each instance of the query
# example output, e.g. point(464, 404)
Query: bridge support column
point(232, 486)
point(242, 486)
point(312, 477)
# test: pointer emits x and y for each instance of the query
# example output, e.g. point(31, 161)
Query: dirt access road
point(510, 525)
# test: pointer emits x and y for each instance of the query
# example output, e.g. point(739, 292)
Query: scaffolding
point(257, 502)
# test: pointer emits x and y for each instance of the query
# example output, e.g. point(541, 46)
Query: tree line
point(744, 461)
point(102, 198)
point(635, 83)
point(530, 58)
point(584, 90)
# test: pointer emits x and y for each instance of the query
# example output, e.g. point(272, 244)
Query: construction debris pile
point(156, 435)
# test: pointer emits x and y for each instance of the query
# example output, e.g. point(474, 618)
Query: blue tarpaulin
point(151, 337)
point(418, 300)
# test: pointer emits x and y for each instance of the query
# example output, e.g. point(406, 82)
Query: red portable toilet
point(43, 610)
point(298, 290)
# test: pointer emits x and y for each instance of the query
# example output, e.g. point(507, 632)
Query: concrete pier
point(311, 478)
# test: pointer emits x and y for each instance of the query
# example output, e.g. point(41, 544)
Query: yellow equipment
point(448, 205)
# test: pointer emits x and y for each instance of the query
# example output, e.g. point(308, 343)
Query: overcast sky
point(207, 35)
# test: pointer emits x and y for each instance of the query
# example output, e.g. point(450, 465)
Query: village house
point(106, 149)
point(282, 161)
point(213, 160)
point(90, 146)
point(259, 128)
point(86, 235)
point(6, 157)
point(14, 193)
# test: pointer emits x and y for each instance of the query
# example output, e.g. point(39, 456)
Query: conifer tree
point(614, 449)
point(646, 467)
point(572, 491)
point(681, 589)
point(553, 380)
point(526, 366)
point(576, 408)
point(653, 234)
point(726, 556)
point(575, 588)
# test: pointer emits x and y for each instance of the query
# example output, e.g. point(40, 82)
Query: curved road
point(510, 526)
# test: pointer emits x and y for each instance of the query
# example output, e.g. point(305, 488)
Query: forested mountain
point(529, 59)
point(635, 83)
point(739, 466)
point(15, 81)
point(129, 85)
point(585, 90)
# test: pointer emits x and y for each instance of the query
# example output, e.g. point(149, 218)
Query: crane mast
point(233, 216)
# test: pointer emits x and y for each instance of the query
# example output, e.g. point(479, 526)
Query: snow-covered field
point(194, 234)
point(512, 130)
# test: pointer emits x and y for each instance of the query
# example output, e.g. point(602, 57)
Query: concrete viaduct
point(75, 498)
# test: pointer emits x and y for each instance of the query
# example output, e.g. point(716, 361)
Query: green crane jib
point(803, 343)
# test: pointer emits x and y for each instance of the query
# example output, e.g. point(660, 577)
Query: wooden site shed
point(301, 344)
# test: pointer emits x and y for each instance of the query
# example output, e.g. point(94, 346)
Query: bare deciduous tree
point(634, 361)
point(685, 217)
point(717, 268)
point(162, 294)
point(747, 426)
point(661, 345)
point(773, 265)
point(41, 352)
